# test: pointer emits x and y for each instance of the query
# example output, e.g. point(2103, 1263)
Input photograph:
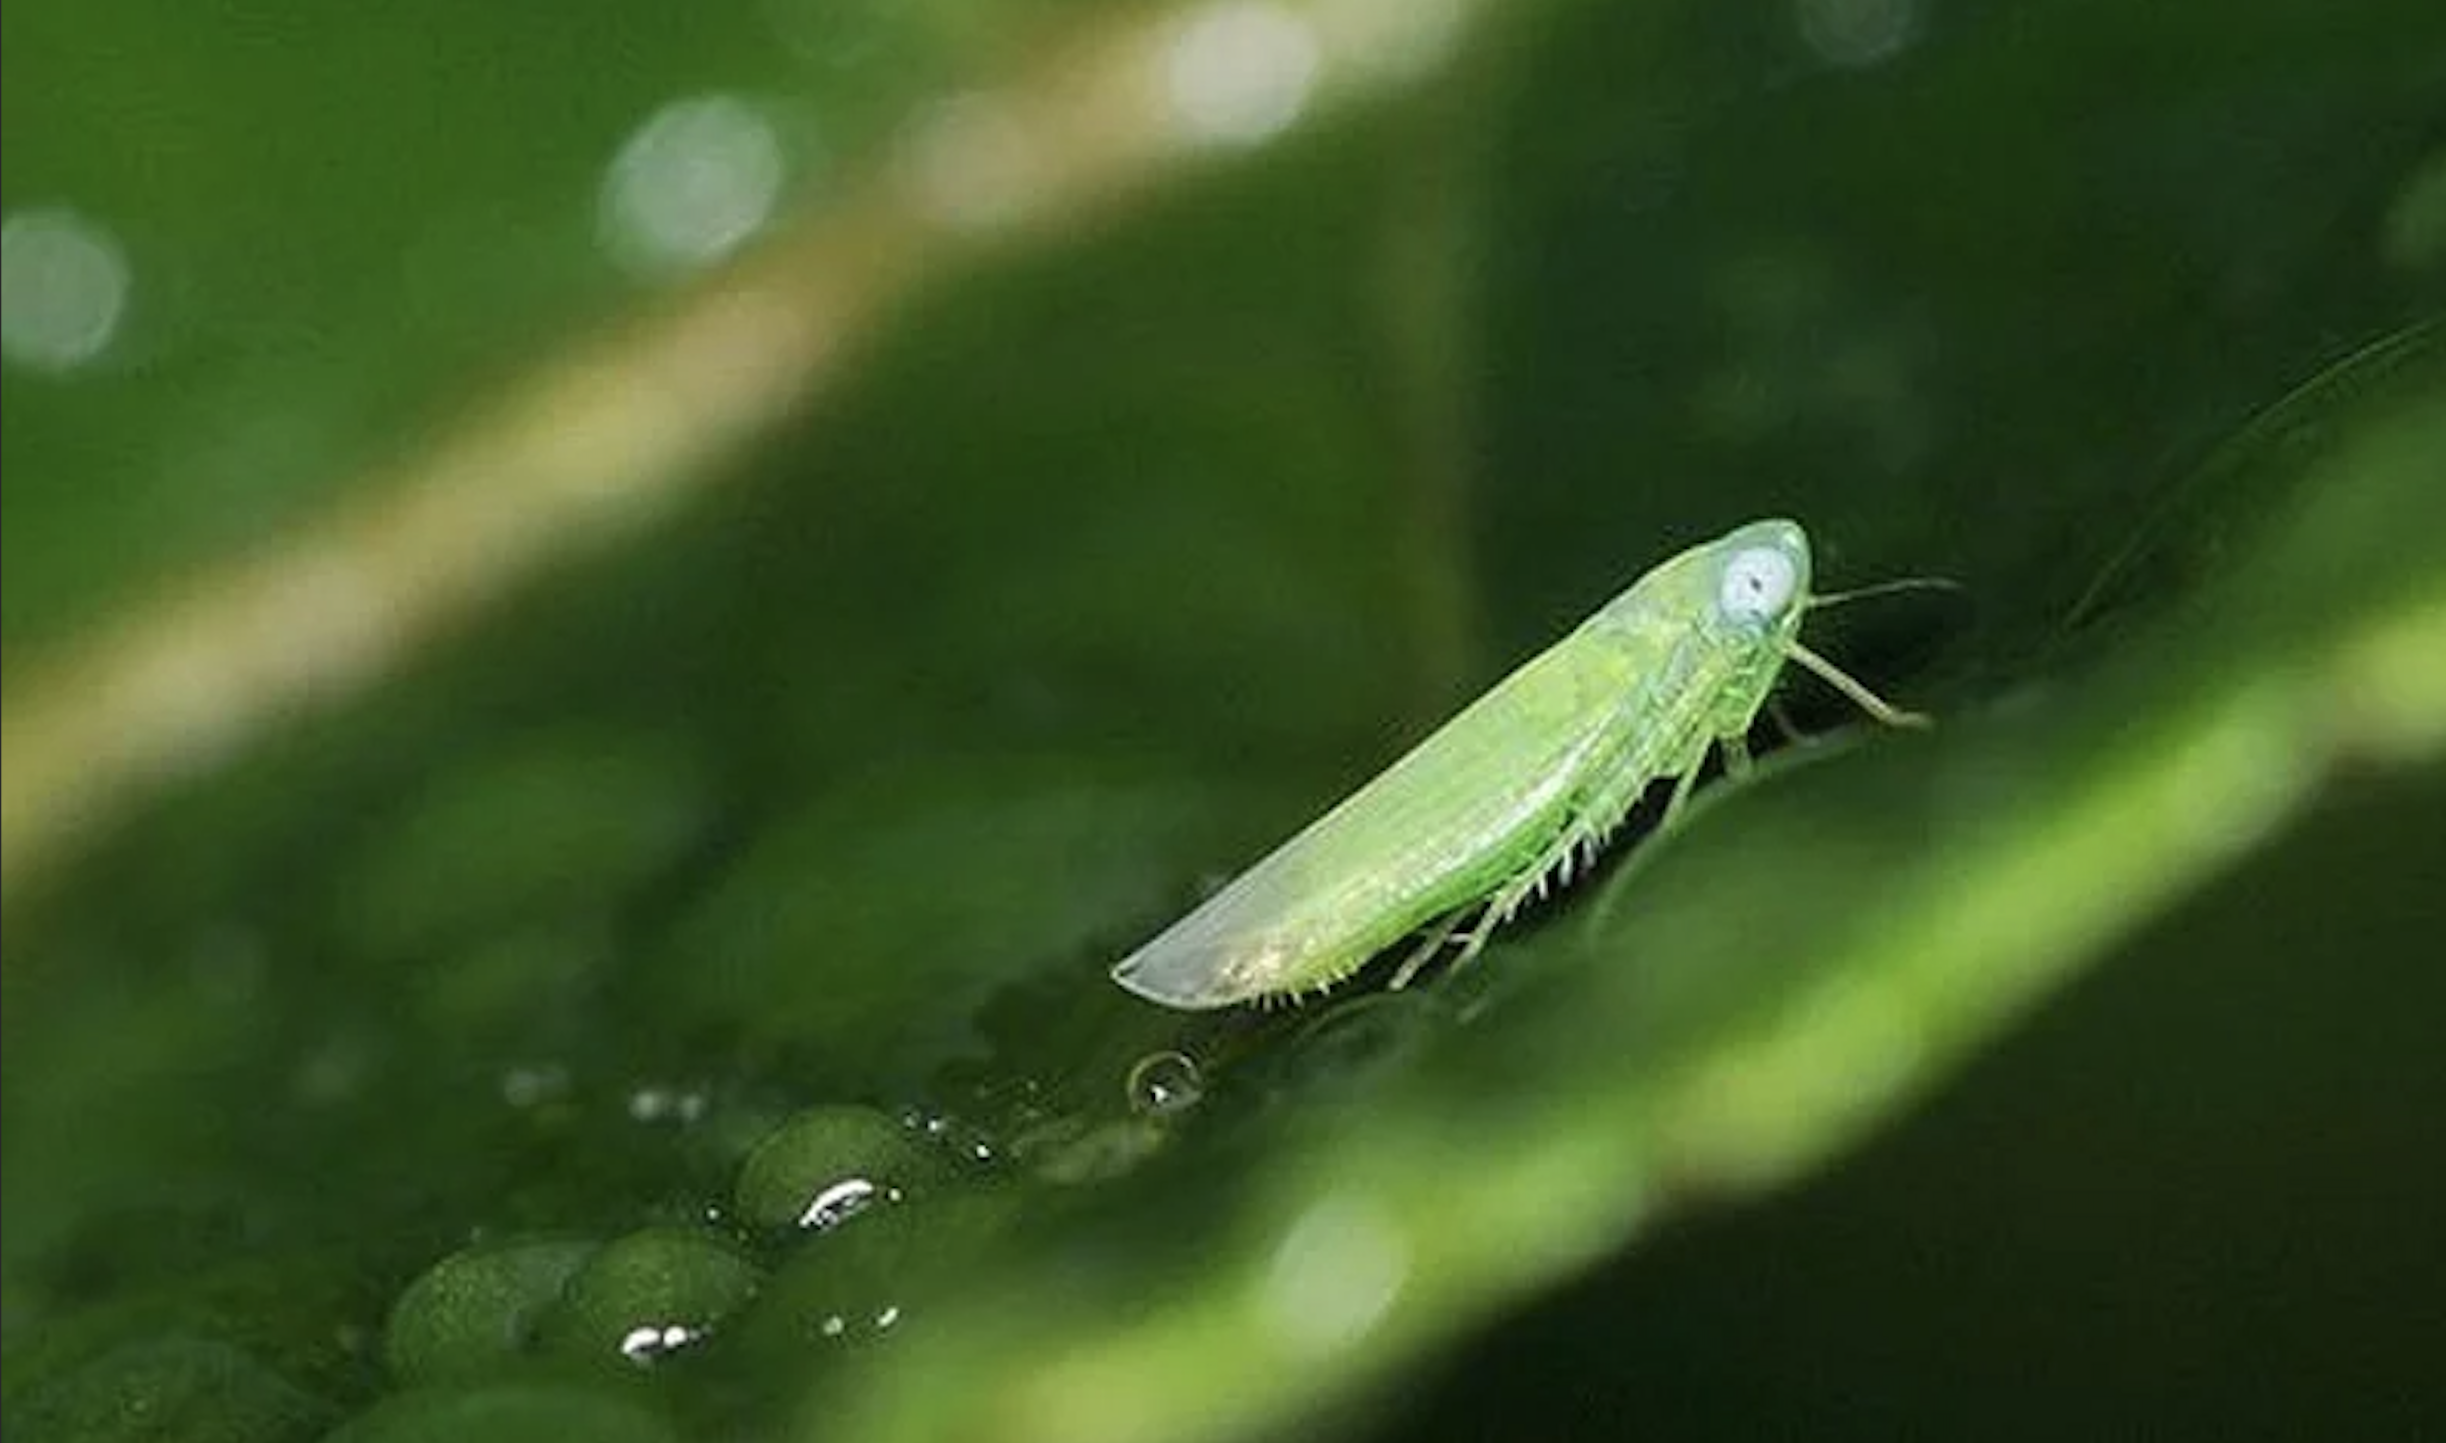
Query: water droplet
point(827, 1164)
point(63, 288)
point(646, 1294)
point(698, 177)
point(649, 1343)
point(1165, 1084)
point(837, 1204)
point(478, 1308)
point(951, 1135)
point(1239, 72)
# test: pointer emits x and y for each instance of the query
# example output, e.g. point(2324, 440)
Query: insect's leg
point(1736, 754)
point(1588, 828)
point(1681, 788)
point(1509, 897)
point(1782, 717)
point(1438, 934)
point(1844, 682)
point(1498, 910)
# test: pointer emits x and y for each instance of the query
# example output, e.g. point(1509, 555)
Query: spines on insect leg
point(1474, 940)
point(1570, 854)
point(1329, 978)
point(1505, 902)
point(1293, 985)
point(1436, 934)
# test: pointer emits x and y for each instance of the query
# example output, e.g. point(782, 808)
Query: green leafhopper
point(1520, 790)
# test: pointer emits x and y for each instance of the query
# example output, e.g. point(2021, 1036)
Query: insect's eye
point(1757, 584)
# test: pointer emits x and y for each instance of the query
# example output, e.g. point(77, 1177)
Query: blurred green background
point(661, 994)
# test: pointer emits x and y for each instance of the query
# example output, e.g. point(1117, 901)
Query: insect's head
point(1763, 581)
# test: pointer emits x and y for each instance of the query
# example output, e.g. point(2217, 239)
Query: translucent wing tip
point(1171, 978)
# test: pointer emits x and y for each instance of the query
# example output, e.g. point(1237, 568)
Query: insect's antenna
point(1842, 681)
point(1885, 588)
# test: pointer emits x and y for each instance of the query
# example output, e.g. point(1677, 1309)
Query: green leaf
point(561, 784)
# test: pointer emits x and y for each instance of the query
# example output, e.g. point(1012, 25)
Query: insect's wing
point(1438, 828)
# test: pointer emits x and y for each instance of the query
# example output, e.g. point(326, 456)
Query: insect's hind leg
point(1585, 835)
point(1438, 933)
point(1495, 913)
point(1689, 778)
point(1512, 895)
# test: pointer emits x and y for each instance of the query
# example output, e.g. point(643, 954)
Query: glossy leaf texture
point(576, 765)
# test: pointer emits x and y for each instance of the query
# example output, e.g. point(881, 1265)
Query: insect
point(1519, 791)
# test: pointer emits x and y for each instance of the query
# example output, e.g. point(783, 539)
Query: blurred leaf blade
point(807, 737)
point(1732, 1022)
point(589, 446)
